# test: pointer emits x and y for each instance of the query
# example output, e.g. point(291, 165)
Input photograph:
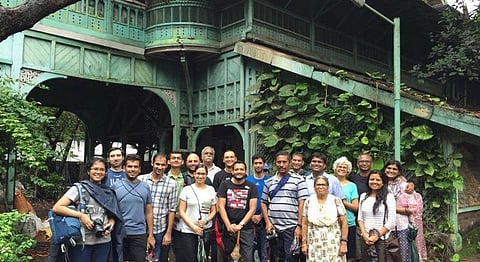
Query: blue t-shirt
point(133, 198)
point(114, 176)
point(259, 182)
point(351, 193)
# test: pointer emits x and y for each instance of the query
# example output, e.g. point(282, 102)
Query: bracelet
point(299, 225)
point(344, 240)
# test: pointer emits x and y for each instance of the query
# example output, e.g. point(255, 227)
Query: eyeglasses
point(321, 185)
point(97, 169)
point(208, 153)
point(364, 161)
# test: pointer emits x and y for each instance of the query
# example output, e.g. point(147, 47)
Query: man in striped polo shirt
point(282, 206)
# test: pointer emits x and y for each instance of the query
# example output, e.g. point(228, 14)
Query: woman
point(99, 218)
point(413, 201)
point(196, 210)
point(342, 167)
point(396, 186)
point(376, 217)
point(324, 225)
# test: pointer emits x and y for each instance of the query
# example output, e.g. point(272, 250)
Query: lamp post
point(396, 72)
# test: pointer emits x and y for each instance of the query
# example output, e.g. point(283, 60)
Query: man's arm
point(298, 230)
point(223, 213)
point(251, 211)
point(149, 218)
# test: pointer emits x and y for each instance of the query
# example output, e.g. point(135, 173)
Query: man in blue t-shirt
point(115, 156)
point(135, 202)
point(258, 178)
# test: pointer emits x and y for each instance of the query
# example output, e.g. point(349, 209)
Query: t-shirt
point(259, 182)
point(133, 198)
point(360, 182)
point(350, 191)
point(283, 207)
point(237, 199)
point(199, 202)
point(221, 176)
point(95, 210)
point(114, 176)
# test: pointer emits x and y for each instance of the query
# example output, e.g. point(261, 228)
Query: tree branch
point(24, 16)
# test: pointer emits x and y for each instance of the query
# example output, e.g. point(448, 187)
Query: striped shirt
point(283, 207)
point(164, 200)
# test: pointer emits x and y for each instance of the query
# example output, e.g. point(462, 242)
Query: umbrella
point(201, 254)
point(411, 236)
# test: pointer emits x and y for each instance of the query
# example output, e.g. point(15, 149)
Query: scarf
point(325, 215)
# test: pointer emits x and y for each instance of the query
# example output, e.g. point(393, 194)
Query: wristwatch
point(241, 223)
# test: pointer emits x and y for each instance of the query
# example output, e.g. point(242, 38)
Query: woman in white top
point(376, 217)
point(196, 210)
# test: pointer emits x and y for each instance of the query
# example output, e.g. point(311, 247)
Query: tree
point(456, 50)
point(24, 16)
point(22, 128)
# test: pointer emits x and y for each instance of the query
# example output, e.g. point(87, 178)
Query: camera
point(98, 227)
point(272, 235)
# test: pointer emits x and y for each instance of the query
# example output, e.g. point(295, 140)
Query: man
point(282, 206)
point(135, 202)
point(192, 162)
point(237, 201)
point(258, 178)
point(364, 165)
point(229, 158)
point(208, 155)
point(318, 164)
point(175, 161)
point(297, 164)
point(164, 202)
point(115, 156)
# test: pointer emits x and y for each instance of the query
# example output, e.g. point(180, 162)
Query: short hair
point(343, 160)
point(208, 147)
point(192, 153)
point(324, 178)
point(322, 156)
point(397, 164)
point(175, 153)
point(300, 154)
point(241, 163)
point(282, 153)
point(115, 148)
point(133, 157)
point(161, 155)
point(95, 160)
point(258, 156)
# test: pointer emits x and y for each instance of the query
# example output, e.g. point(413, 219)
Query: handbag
point(411, 236)
point(392, 247)
point(66, 229)
point(392, 243)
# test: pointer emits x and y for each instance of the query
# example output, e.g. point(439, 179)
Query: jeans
point(89, 253)
point(161, 251)
point(280, 246)
point(261, 241)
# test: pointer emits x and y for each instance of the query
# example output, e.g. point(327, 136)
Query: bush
point(13, 244)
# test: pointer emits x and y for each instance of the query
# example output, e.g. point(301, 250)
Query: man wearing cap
point(258, 178)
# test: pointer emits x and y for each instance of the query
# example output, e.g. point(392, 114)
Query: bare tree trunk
point(24, 16)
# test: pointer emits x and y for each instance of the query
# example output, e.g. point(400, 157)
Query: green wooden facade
point(178, 71)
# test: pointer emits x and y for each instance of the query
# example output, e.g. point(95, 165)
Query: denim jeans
point(161, 251)
point(89, 253)
point(261, 241)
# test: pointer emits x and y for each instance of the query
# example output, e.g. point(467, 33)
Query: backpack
point(66, 229)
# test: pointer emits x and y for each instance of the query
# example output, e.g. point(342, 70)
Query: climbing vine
point(306, 117)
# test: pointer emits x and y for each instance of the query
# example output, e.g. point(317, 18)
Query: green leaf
point(286, 90)
point(292, 101)
point(285, 115)
point(422, 132)
point(295, 122)
point(271, 140)
point(304, 128)
point(364, 140)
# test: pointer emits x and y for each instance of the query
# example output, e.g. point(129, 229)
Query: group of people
point(221, 214)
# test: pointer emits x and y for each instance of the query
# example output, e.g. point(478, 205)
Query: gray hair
point(343, 160)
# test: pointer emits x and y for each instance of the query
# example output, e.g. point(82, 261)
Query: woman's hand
point(305, 249)
point(85, 219)
point(343, 248)
point(198, 230)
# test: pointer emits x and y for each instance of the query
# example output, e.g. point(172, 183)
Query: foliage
point(22, 128)
point(13, 243)
point(456, 49)
point(303, 117)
